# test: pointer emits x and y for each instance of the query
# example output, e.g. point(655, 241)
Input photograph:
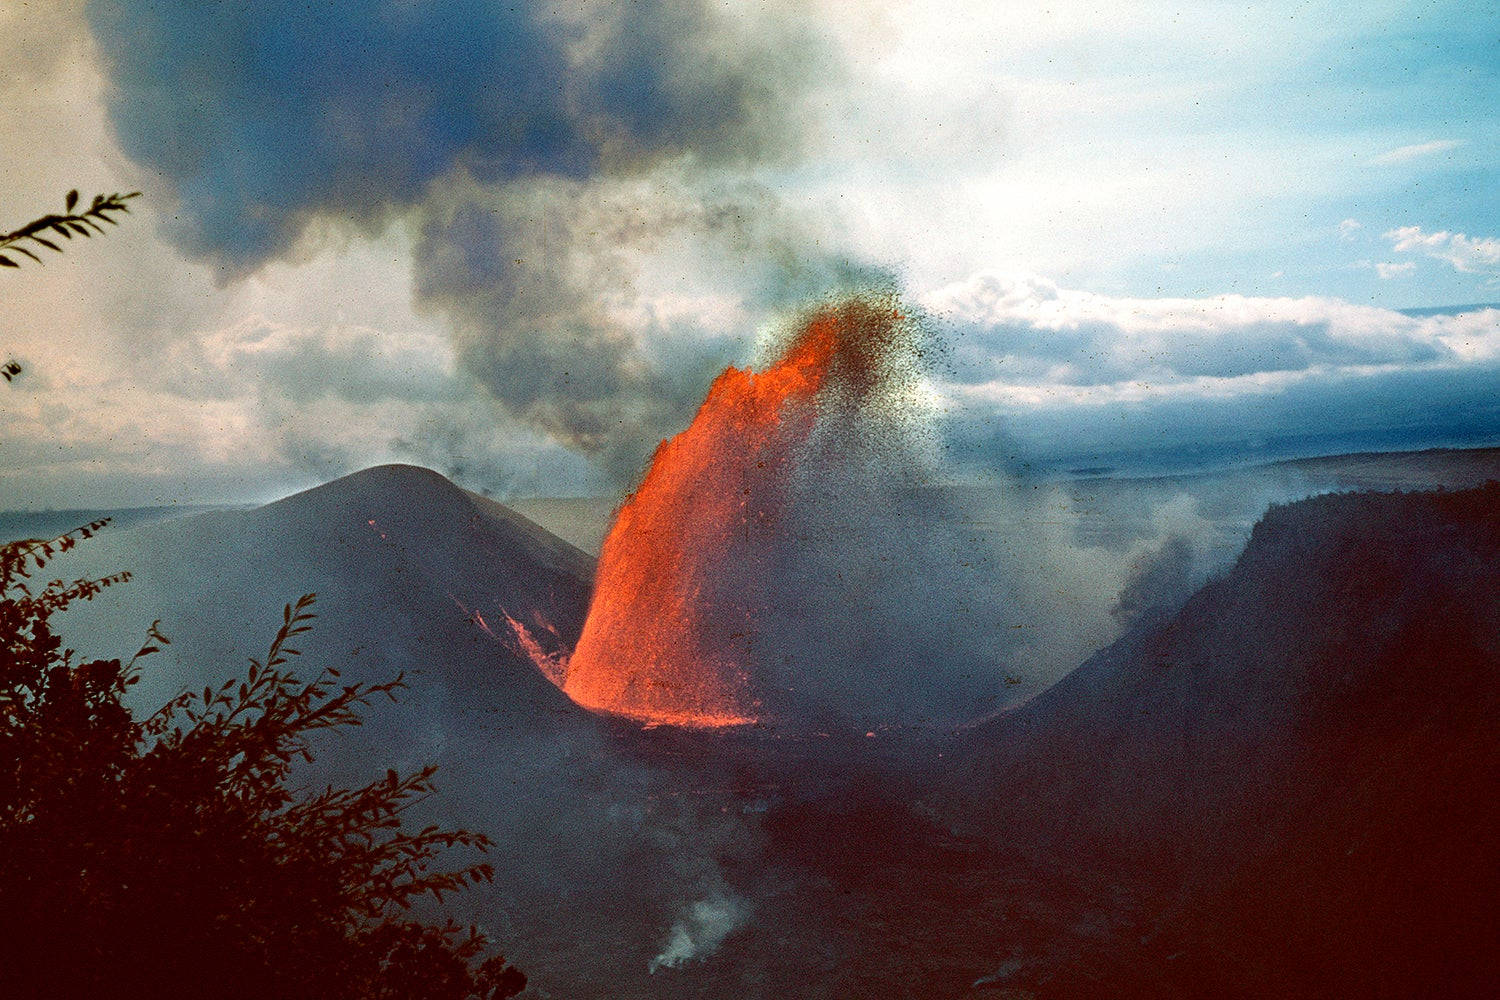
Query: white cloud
point(1065, 377)
point(1403, 154)
point(1348, 228)
point(1023, 341)
point(257, 408)
point(350, 361)
point(1469, 254)
point(1023, 327)
point(1388, 270)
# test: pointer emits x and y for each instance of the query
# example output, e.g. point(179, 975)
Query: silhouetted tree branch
point(41, 234)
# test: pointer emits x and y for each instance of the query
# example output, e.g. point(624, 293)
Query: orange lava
point(670, 632)
point(552, 665)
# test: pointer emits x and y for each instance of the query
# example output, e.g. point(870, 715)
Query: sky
point(515, 241)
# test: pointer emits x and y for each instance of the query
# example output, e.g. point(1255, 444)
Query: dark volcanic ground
point(1283, 785)
point(1287, 788)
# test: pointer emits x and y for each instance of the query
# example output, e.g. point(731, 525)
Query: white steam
point(699, 930)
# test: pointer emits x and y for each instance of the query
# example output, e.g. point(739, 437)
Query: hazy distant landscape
point(1099, 505)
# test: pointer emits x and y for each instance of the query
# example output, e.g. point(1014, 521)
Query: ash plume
point(535, 154)
point(541, 284)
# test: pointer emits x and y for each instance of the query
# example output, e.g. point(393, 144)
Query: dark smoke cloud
point(268, 114)
point(538, 281)
point(537, 153)
point(524, 278)
point(677, 76)
point(271, 113)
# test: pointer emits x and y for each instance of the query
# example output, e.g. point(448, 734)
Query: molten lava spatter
point(552, 665)
point(670, 634)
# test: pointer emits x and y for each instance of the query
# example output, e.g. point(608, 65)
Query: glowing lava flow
point(668, 637)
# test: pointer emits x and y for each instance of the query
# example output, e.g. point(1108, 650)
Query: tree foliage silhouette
point(168, 856)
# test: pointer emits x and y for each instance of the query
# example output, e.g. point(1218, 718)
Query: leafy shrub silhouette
point(167, 855)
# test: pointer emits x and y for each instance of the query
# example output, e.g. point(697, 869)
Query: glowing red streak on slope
point(665, 639)
point(553, 665)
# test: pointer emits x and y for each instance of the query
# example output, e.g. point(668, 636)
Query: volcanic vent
point(685, 580)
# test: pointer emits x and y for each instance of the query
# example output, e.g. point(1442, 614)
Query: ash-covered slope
point(1300, 768)
point(598, 858)
point(411, 572)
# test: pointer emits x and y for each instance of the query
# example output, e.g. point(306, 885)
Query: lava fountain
point(681, 583)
